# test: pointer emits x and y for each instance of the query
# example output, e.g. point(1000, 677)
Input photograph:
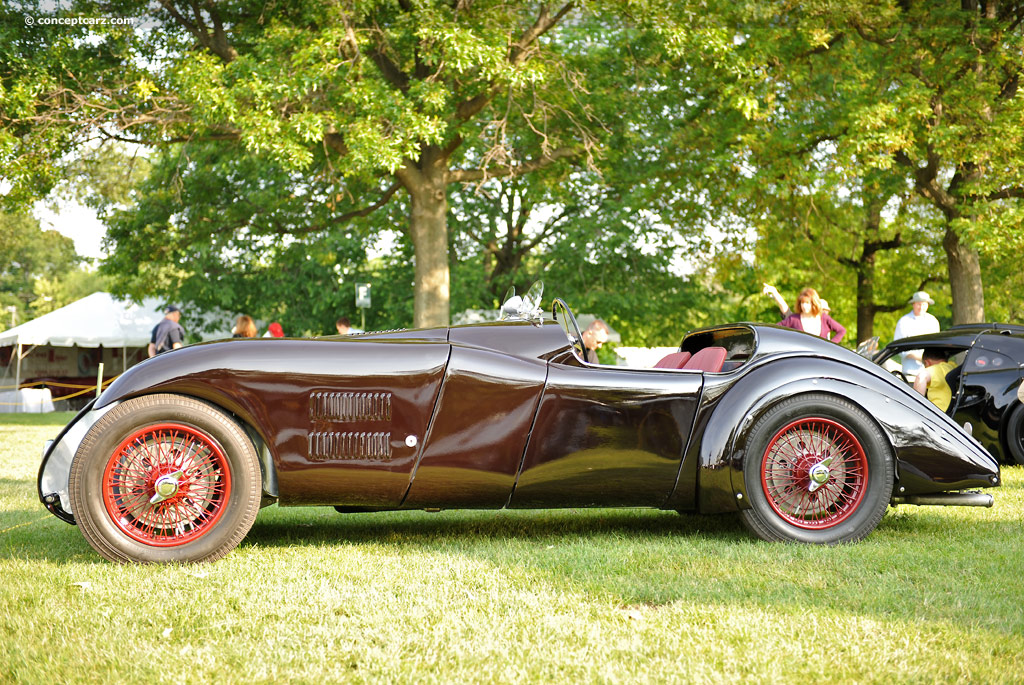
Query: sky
point(76, 222)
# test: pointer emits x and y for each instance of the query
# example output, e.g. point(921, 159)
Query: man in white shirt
point(915, 322)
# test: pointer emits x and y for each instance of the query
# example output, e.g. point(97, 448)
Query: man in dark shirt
point(168, 334)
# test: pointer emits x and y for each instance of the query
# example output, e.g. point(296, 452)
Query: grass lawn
point(311, 596)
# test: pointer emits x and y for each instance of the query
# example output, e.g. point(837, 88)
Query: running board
point(947, 499)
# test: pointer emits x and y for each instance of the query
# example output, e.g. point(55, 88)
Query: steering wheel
point(563, 315)
point(899, 374)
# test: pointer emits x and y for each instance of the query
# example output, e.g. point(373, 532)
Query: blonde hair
point(810, 295)
point(245, 327)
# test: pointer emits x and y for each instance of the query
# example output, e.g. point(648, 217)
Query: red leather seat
point(709, 360)
point(673, 361)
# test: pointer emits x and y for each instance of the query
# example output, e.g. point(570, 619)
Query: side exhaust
point(947, 499)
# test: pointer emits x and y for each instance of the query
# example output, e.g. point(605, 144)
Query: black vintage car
point(804, 440)
point(988, 396)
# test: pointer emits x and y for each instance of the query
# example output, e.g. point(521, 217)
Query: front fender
point(303, 398)
point(932, 453)
point(55, 468)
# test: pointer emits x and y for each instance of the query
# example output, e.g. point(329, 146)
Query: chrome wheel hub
point(819, 474)
point(166, 487)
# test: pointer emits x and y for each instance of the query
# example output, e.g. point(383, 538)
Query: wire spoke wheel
point(817, 469)
point(165, 479)
point(166, 484)
point(814, 473)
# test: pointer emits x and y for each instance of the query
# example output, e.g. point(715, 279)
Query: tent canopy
point(94, 321)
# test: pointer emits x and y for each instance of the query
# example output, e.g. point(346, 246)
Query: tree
point(237, 232)
point(886, 98)
point(39, 270)
point(935, 105)
point(388, 95)
point(605, 255)
point(864, 263)
point(241, 233)
point(944, 114)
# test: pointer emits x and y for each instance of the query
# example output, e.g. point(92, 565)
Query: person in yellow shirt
point(931, 381)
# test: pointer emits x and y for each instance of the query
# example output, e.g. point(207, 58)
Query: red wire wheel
point(814, 473)
point(166, 484)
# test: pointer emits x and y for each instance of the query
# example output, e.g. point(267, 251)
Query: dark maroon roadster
point(805, 440)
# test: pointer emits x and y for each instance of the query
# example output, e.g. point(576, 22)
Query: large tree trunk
point(428, 228)
point(962, 260)
point(865, 268)
point(866, 297)
point(964, 280)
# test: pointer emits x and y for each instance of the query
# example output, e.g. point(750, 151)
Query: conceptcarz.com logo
point(78, 21)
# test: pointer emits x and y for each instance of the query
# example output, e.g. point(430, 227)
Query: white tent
point(94, 321)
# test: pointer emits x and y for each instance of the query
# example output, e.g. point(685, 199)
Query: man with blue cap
point(168, 334)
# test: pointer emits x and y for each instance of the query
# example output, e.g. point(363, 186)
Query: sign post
point(363, 300)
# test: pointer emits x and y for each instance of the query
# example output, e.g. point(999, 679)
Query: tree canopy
point(868, 106)
point(453, 148)
point(369, 97)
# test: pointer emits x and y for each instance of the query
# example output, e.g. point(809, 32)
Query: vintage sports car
point(805, 440)
point(987, 392)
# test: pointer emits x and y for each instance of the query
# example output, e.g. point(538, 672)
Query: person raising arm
point(810, 314)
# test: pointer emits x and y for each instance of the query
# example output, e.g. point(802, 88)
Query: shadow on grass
point(326, 526)
point(34, 534)
point(629, 557)
point(37, 535)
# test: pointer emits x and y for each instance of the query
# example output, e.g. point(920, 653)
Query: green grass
point(311, 596)
point(55, 418)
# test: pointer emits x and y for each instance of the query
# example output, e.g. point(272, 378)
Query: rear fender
point(932, 453)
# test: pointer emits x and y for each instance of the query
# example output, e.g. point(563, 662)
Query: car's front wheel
point(165, 478)
point(817, 470)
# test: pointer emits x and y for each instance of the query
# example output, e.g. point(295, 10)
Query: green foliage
point(39, 270)
point(927, 97)
point(432, 93)
point(1004, 284)
point(822, 239)
point(208, 228)
point(240, 234)
point(754, 140)
point(104, 177)
point(48, 82)
point(810, 118)
point(54, 293)
point(219, 225)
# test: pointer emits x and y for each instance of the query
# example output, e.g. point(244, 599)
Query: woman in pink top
point(810, 316)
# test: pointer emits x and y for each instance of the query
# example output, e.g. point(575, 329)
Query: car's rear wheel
point(165, 478)
point(817, 470)
point(1015, 435)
